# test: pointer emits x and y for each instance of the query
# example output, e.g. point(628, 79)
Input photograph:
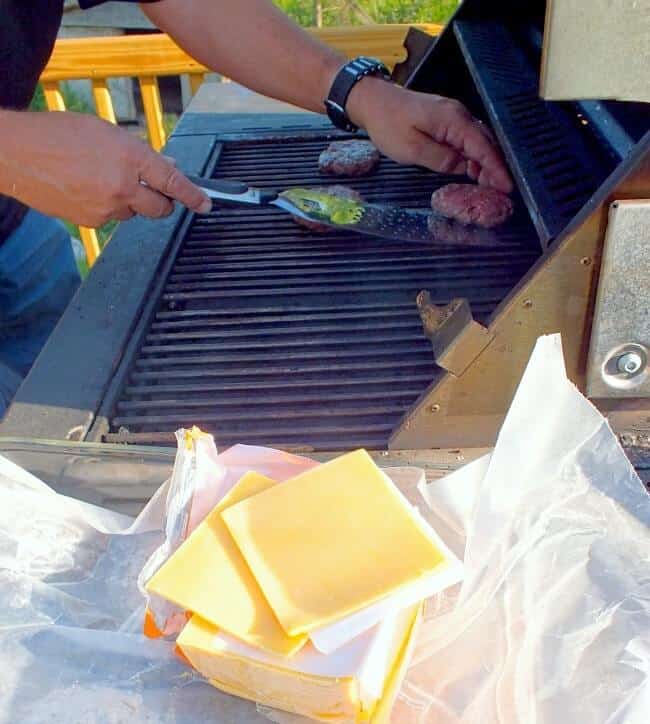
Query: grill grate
point(266, 333)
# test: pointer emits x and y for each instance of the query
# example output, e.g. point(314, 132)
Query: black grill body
point(262, 332)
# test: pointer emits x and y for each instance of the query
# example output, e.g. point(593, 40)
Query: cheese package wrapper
point(207, 575)
point(332, 541)
point(357, 683)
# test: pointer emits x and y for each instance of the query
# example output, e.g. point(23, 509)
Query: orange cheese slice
point(332, 541)
point(207, 575)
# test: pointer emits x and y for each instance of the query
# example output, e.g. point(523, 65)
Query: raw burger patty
point(472, 204)
point(349, 158)
point(342, 192)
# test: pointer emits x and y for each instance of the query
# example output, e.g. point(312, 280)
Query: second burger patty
point(470, 204)
point(349, 158)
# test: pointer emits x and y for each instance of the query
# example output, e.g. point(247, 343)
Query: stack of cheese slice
point(305, 595)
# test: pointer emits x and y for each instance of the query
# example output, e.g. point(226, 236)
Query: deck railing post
point(103, 102)
point(153, 110)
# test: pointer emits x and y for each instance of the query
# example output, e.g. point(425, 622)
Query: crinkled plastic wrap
point(552, 622)
point(71, 611)
point(551, 625)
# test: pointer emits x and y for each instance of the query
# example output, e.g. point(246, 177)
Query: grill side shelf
point(553, 169)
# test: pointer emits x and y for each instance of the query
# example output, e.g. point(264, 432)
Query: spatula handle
point(229, 191)
point(222, 186)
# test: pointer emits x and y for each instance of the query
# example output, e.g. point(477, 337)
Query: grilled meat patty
point(470, 204)
point(349, 158)
point(341, 192)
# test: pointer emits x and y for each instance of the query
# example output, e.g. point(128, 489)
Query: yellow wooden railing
point(147, 57)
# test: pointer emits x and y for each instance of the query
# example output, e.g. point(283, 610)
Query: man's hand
point(80, 168)
point(427, 130)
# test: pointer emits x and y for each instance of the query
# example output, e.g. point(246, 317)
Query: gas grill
point(265, 333)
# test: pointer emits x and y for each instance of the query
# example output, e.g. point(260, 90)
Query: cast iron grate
point(266, 333)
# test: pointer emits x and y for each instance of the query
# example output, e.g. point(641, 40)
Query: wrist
point(364, 97)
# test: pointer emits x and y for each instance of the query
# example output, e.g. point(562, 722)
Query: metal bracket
point(457, 340)
point(620, 339)
point(417, 43)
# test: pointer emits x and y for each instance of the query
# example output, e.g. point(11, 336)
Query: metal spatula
point(390, 222)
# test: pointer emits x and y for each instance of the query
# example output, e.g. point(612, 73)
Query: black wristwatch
point(349, 75)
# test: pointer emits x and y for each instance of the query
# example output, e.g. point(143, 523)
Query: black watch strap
point(349, 75)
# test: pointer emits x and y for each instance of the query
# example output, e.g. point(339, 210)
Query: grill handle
point(226, 192)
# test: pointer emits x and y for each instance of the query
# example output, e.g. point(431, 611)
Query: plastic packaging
point(552, 622)
point(71, 643)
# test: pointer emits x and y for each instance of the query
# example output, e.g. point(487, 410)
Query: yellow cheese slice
point(208, 575)
point(334, 698)
point(331, 541)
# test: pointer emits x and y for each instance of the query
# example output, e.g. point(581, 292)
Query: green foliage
point(73, 101)
point(169, 123)
point(302, 11)
point(355, 12)
point(104, 234)
point(411, 11)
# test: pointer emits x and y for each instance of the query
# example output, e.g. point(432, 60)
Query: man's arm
point(254, 43)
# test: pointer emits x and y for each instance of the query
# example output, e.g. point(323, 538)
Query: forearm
point(19, 131)
point(254, 43)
